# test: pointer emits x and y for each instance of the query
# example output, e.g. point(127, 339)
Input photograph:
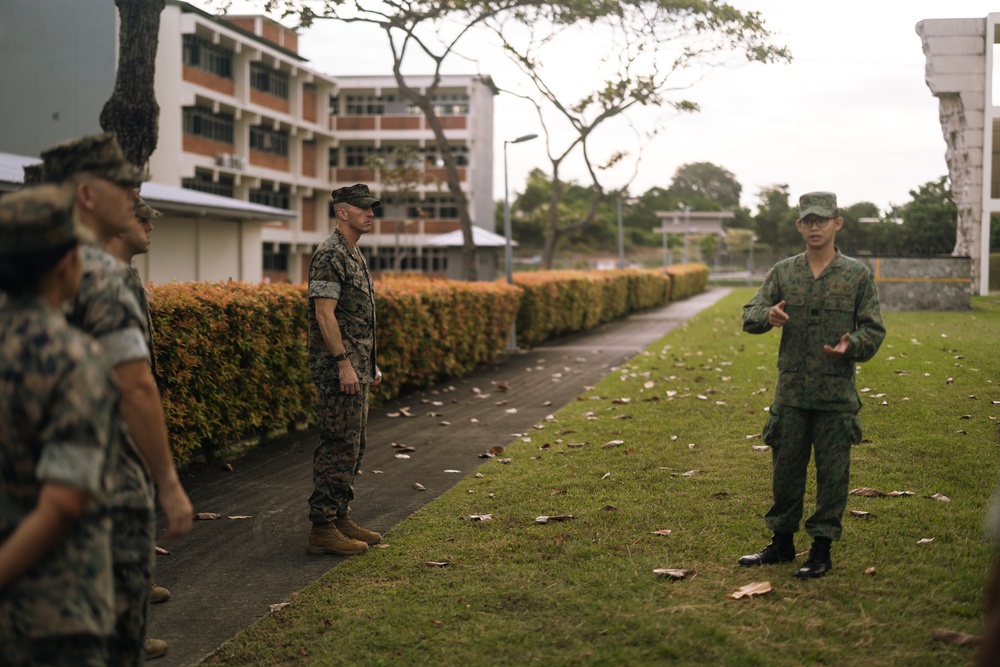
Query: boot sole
point(321, 551)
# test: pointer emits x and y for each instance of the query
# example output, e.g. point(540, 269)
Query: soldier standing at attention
point(58, 446)
point(342, 364)
point(828, 311)
point(125, 246)
point(104, 183)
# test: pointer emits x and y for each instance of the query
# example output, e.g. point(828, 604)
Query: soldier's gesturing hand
point(777, 316)
point(840, 349)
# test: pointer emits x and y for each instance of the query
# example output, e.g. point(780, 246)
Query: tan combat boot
point(356, 532)
point(326, 539)
point(158, 594)
point(155, 648)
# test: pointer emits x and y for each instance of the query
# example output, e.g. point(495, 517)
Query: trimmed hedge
point(234, 355)
point(555, 303)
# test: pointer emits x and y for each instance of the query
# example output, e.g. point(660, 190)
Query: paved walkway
point(227, 571)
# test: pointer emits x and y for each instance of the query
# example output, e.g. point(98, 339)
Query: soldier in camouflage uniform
point(58, 446)
point(828, 311)
point(342, 364)
point(104, 183)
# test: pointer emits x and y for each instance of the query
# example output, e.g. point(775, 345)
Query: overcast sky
point(851, 113)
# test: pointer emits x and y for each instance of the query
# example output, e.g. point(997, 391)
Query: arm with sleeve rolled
point(142, 411)
point(869, 329)
point(327, 319)
point(757, 312)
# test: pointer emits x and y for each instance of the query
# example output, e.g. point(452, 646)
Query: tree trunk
point(469, 270)
point(132, 112)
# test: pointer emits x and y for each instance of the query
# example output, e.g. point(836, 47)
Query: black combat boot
point(780, 550)
point(818, 563)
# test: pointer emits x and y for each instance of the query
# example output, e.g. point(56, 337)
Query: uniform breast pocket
point(838, 316)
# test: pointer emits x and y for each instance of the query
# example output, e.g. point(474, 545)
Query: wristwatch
point(339, 357)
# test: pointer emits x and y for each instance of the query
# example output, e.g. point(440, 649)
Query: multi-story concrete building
point(243, 116)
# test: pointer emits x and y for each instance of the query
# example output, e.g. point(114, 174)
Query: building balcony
point(394, 123)
point(208, 80)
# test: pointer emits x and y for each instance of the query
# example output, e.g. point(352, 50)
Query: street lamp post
point(508, 254)
point(687, 231)
point(753, 239)
point(621, 236)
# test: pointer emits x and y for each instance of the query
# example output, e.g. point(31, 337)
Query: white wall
point(187, 249)
point(52, 94)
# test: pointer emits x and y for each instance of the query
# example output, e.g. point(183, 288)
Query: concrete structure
point(201, 236)
point(243, 116)
point(959, 73)
point(922, 283)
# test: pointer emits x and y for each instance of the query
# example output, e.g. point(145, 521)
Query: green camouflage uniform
point(107, 310)
point(58, 416)
point(816, 401)
point(338, 272)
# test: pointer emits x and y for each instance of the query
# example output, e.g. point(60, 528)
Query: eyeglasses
point(818, 223)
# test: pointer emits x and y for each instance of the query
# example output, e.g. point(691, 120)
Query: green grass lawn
point(583, 591)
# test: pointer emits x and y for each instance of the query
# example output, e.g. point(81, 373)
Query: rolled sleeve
point(324, 289)
point(75, 465)
point(123, 346)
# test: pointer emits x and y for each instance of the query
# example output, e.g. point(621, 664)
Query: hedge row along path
point(229, 570)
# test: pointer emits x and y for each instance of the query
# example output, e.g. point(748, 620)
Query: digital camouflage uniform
point(107, 310)
point(337, 272)
point(816, 401)
point(58, 415)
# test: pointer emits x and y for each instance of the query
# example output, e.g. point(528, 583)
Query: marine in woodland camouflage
point(338, 272)
point(98, 154)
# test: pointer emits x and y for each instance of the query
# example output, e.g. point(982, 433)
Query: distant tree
point(132, 112)
point(930, 219)
point(706, 182)
point(648, 44)
point(402, 175)
point(709, 244)
point(854, 236)
point(775, 219)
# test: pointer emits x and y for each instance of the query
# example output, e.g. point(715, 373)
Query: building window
point(363, 105)
point(269, 80)
point(334, 157)
point(266, 196)
point(212, 58)
point(374, 105)
point(201, 122)
point(359, 155)
point(334, 105)
point(460, 153)
point(202, 182)
point(450, 104)
point(266, 140)
point(276, 259)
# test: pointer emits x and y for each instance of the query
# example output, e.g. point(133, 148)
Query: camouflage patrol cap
point(823, 204)
point(144, 211)
point(99, 154)
point(37, 219)
point(34, 174)
point(356, 195)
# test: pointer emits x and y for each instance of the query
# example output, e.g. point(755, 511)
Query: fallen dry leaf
point(860, 513)
point(662, 531)
point(610, 508)
point(277, 607)
point(511, 411)
point(557, 517)
point(690, 473)
point(479, 517)
point(606, 475)
point(940, 497)
point(956, 638)
point(402, 456)
point(376, 472)
point(240, 516)
point(161, 551)
point(403, 448)
point(206, 516)
point(435, 563)
point(875, 493)
point(965, 417)
point(453, 471)
point(756, 588)
point(417, 486)
point(674, 574)
point(612, 443)
point(925, 540)
point(444, 423)
point(761, 448)
point(870, 571)
point(503, 386)
point(227, 467)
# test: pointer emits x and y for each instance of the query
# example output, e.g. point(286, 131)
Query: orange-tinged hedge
point(555, 303)
point(235, 360)
point(688, 280)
